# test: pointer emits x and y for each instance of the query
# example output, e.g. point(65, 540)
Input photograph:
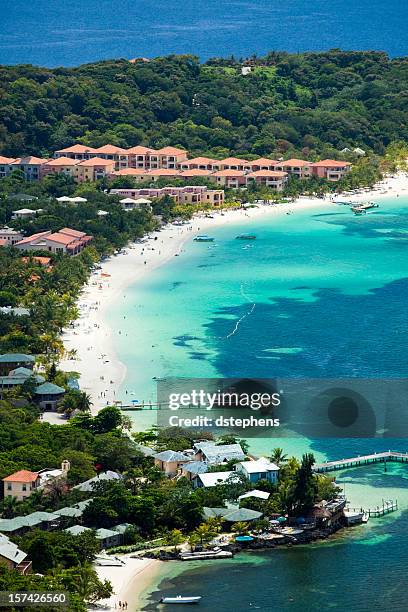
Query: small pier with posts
point(387, 507)
point(341, 464)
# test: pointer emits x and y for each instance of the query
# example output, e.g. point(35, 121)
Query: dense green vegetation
point(310, 104)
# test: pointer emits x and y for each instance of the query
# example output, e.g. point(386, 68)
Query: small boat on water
point(203, 238)
point(355, 517)
point(180, 600)
point(245, 237)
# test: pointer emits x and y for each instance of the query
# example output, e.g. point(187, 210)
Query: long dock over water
point(341, 464)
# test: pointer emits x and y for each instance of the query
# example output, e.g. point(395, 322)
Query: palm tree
point(278, 456)
point(174, 538)
point(9, 507)
point(205, 533)
point(240, 527)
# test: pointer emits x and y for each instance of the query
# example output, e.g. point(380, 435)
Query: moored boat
point(203, 238)
point(180, 600)
point(245, 237)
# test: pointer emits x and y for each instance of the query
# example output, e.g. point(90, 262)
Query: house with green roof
point(48, 395)
point(11, 361)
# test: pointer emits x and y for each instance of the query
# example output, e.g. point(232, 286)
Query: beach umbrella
point(281, 519)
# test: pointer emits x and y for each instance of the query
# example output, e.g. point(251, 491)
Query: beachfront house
point(212, 453)
point(48, 395)
point(67, 241)
point(170, 461)
point(30, 166)
point(261, 469)
point(298, 168)
point(269, 178)
point(11, 361)
point(330, 169)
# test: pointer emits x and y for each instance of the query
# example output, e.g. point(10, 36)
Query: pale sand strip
point(129, 581)
point(92, 337)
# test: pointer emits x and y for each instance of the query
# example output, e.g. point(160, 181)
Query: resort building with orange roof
point(262, 163)
point(190, 194)
point(199, 163)
point(232, 179)
point(299, 168)
point(170, 157)
point(67, 240)
point(232, 163)
point(30, 166)
point(60, 165)
point(5, 164)
point(270, 178)
point(331, 169)
point(93, 169)
point(77, 151)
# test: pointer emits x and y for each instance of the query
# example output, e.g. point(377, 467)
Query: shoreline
point(91, 336)
point(130, 581)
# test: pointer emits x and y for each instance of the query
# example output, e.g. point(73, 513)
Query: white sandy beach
point(129, 581)
point(90, 336)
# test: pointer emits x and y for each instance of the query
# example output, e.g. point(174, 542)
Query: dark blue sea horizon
point(54, 33)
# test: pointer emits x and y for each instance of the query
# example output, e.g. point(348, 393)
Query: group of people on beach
point(122, 605)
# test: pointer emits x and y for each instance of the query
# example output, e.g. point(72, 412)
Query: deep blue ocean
point(57, 33)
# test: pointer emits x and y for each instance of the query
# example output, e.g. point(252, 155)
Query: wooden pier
point(386, 507)
point(341, 464)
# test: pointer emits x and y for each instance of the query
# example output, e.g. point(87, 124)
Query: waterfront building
point(11, 361)
point(213, 453)
point(230, 178)
point(67, 240)
point(298, 168)
point(261, 469)
point(330, 169)
point(170, 461)
point(190, 194)
point(270, 178)
point(48, 395)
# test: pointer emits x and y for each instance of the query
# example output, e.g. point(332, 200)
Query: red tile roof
point(268, 173)
point(28, 239)
point(231, 173)
point(6, 160)
point(171, 151)
point(77, 148)
point(162, 172)
point(140, 150)
point(109, 149)
point(263, 161)
point(96, 161)
point(37, 161)
point(330, 163)
point(129, 172)
point(294, 163)
point(201, 161)
point(71, 232)
point(195, 172)
point(62, 161)
point(22, 476)
point(233, 161)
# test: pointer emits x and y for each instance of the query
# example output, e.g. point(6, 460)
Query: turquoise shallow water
point(319, 293)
